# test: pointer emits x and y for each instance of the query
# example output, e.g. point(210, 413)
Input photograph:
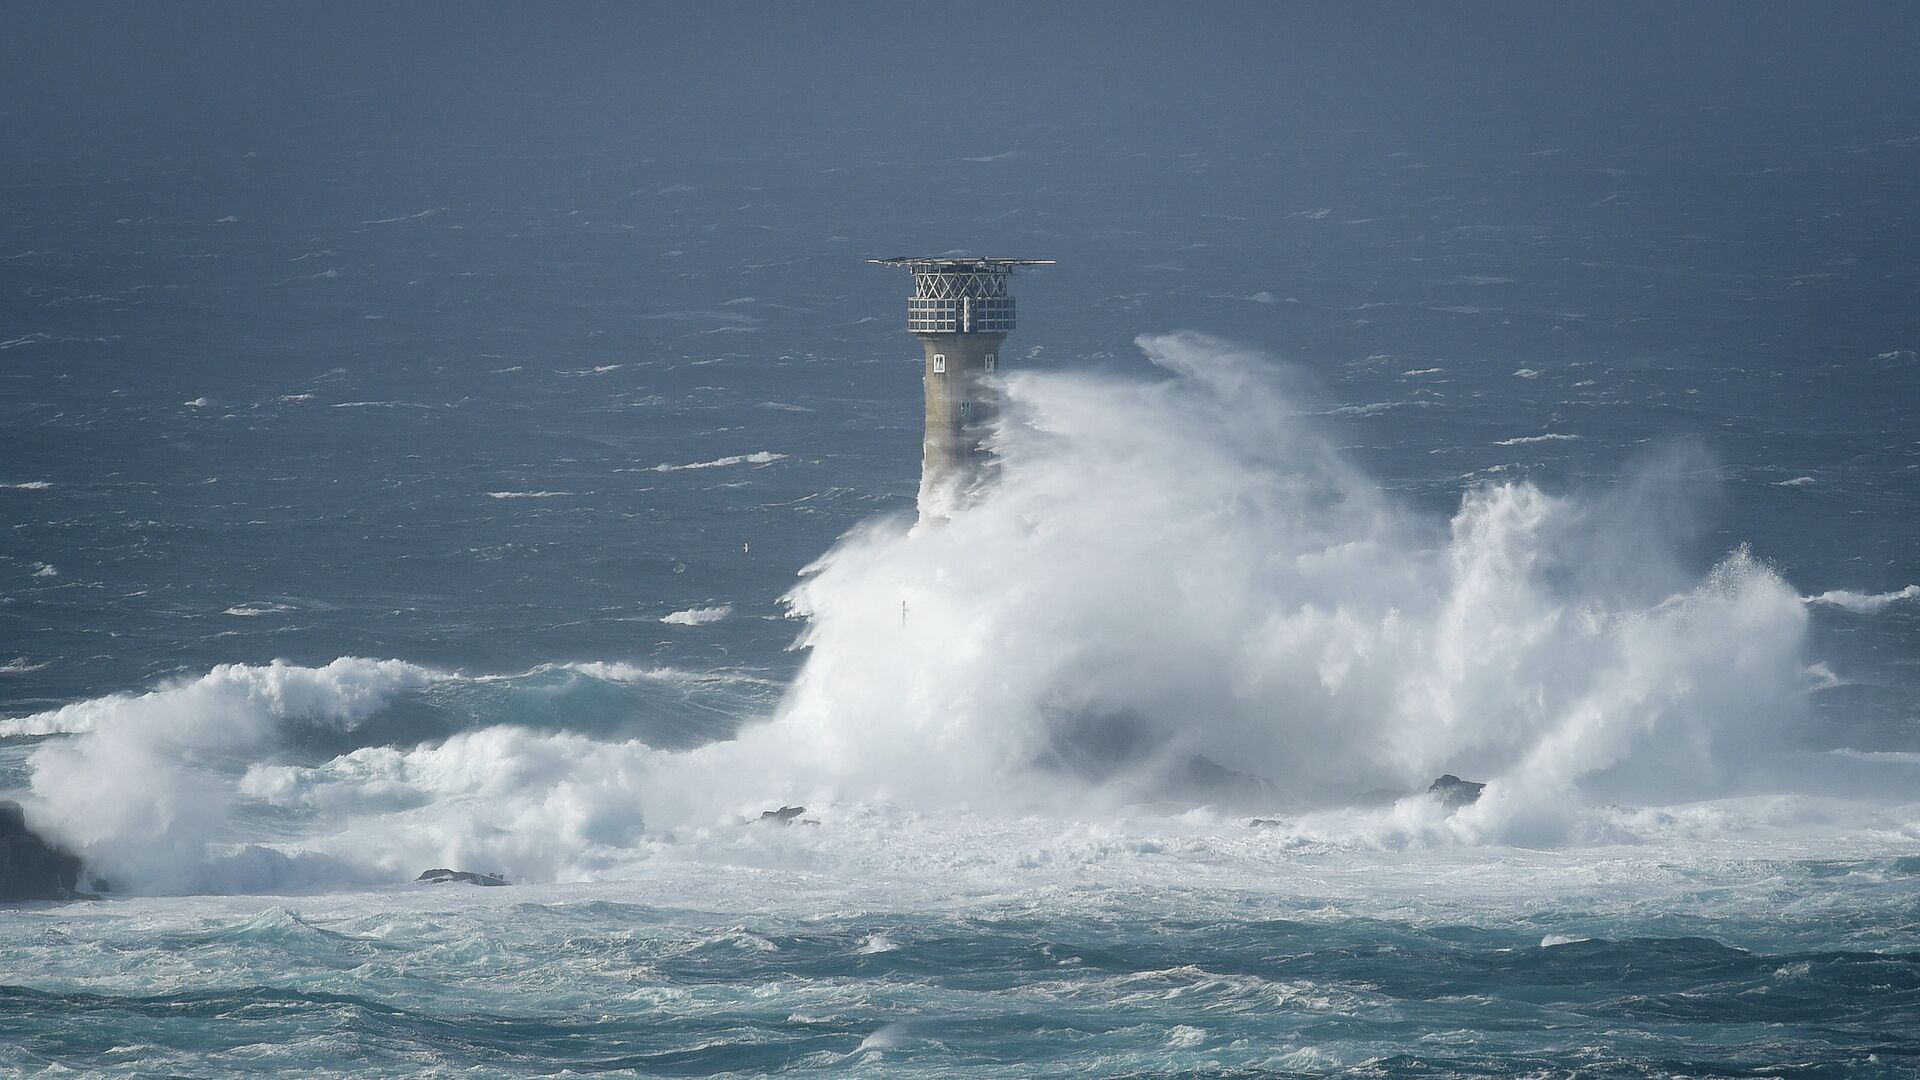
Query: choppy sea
point(552, 517)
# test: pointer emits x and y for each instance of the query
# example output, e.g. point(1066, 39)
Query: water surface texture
point(471, 438)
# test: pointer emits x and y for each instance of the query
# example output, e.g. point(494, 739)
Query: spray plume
point(1174, 593)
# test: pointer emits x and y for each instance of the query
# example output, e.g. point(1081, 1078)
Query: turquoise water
point(1411, 965)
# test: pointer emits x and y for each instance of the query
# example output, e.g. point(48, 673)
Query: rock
point(31, 868)
point(443, 876)
point(784, 816)
point(1200, 780)
point(1454, 792)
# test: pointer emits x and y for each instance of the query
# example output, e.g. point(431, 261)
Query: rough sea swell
point(1176, 595)
point(1030, 741)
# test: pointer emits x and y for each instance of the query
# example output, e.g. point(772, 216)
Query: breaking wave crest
point(1177, 588)
point(139, 790)
point(1176, 594)
point(1865, 603)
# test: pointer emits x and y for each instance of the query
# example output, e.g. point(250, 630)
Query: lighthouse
point(962, 311)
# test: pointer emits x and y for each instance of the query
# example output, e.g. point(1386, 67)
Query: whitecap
point(132, 793)
point(1375, 408)
point(406, 217)
point(1526, 440)
point(698, 616)
point(1865, 603)
point(247, 611)
point(759, 457)
point(620, 672)
point(1185, 1037)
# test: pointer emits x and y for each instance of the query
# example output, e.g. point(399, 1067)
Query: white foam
point(527, 494)
point(1376, 407)
point(618, 672)
point(250, 611)
point(759, 457)
point(406, 217)
point(1179, 568)
point(698, 616)
point(1527, 440)
point(541, 806)
point(1865, 603)
point(28, 485)
point(134, 793)
point(1821, 677)
point(1166, 568)
point(1185, 1036)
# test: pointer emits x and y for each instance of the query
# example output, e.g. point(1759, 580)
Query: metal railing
point(989, 315)
point(960, 296)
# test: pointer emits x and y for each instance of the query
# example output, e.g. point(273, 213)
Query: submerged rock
point(31, 868)
point(1202, 780)
point(1454, 792)
point(443, 876)
point(786, 815)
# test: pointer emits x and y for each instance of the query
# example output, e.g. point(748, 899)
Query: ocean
point(531, 493)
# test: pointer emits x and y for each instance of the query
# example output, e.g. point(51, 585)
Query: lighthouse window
point(966, 410)
point(993, 361)
point(939, 363)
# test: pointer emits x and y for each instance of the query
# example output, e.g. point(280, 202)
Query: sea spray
point(1176, 594)
point(138, 792)
point(1178, 581)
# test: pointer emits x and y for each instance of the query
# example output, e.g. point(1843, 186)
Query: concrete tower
point(961, 311)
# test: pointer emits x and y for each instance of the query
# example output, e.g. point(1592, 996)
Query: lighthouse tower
point(961, 311)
